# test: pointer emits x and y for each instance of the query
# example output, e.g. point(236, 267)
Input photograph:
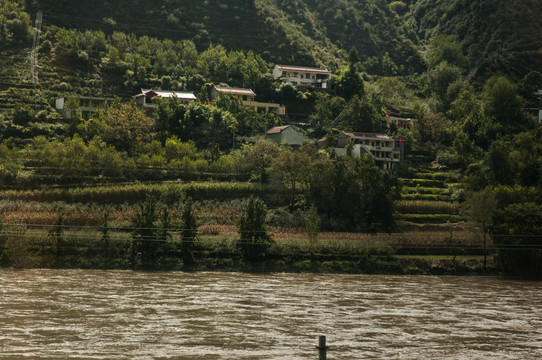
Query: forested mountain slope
point(499, 37)
point(286, 31)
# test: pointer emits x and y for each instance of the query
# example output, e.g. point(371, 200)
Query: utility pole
point(34, 55)
point(35, 46)
point(539, 94)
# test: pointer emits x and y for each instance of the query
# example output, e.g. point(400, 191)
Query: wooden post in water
point(322, 348)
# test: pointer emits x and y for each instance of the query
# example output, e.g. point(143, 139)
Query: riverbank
point(222, 254)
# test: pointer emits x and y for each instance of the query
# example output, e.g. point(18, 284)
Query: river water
point(88, 314)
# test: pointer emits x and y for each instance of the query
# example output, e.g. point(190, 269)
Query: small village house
point(399, 122)
point(285, 135)
point(147, 98)
point(82, 106)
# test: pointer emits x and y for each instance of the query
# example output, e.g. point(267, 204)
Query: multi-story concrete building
point(387, 152)
point(302, 75)
point(246, 97)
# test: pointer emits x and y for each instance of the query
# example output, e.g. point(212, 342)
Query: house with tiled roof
point(285, 135)
point(302, 75)
point(246, 97)
point(147, 98)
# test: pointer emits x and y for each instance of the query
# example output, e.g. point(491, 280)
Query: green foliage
point(208, 126)
point(481, 208)
point(364, 113)
point(254, 241)
point(168, 116)
point(502, 104)
point(289, 176)
point(73, 158)
point(258, 158)
point(483, 29)
point(353, 194)
point(350, 83)
point(517, 234)
point(445, 48)
point(122, 126)
point(445, 82)
point(326, 109)
point(15, 26)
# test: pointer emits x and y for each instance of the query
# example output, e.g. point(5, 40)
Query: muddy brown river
point(89, 314)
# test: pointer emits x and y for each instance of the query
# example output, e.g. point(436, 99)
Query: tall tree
point(254, 240)
point(258, 158)
point(502, 104)
point(481, 208)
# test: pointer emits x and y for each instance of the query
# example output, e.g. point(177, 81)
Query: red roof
point(277, 129)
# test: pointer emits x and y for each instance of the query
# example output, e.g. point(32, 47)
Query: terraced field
point(431, 218)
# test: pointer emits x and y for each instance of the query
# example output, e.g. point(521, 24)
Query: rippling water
point(82, 314)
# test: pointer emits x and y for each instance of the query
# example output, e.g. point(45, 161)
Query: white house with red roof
point(285, 134)
point(302, 75)
point(148, 97)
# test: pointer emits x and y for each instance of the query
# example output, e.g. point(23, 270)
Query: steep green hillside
point(497, 36)
point(285, 31)
point(385, 42)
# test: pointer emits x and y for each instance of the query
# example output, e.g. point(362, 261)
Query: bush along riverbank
point(55, 247)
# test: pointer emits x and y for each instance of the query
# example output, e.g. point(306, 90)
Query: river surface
point(89, 314)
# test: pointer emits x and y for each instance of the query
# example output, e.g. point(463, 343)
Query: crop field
point(424, 226)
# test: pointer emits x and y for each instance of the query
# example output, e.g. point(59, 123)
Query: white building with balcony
point(302, 75)
point(387, 152)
